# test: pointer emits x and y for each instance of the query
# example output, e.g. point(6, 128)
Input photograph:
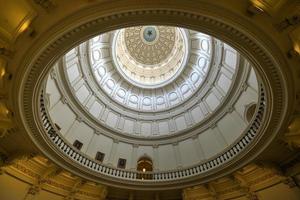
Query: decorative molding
point(53, 74)
point(6, 53)
point(211, 189)
point(240, 183)
point(290, 182)
point(288, 22)
point(64, 100)
point(47, 5)
point(230, 109)
point(79, 119)
point(49, 179)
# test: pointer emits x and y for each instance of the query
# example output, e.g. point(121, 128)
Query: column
point(292, 136)
point(6, 160)
point(177, 155)
point(103, 193)
point(113, 152)
point(198, 147)
point(156, 196)
point(5, 119)
point(5, 55)
point(155, 158)
point(131, 196)
point(219, 135)
point(32, 192)
point(134, 157)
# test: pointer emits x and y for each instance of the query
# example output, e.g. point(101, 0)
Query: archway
point(144, 165)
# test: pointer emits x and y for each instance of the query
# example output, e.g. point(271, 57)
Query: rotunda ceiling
point(106, 95)
point(93, 104)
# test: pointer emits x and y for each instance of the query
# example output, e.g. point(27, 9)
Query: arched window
point(145, 165)
point(250, 110)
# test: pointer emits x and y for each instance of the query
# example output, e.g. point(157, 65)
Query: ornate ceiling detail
point(151, 56)
point(150, 45)
point(195, 71)
point(96, 111)
point(202, 88)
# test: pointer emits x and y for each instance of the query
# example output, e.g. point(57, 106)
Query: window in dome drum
point(122, 163)
point(57, 126)
point(77, 144)
point(100, 156)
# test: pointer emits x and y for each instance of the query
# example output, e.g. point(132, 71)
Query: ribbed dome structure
point(194, 117)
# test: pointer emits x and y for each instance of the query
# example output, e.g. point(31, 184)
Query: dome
point(105, 94)
point(98, 97)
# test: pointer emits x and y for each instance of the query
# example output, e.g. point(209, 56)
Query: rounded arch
point(144, 165)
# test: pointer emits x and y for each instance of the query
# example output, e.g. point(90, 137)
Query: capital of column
point(116, 141)
point(289, 181)
point(292, 136)
point(10, 159)
point(3, 159)
point(33, 190)
point(47, 5)
point(175, 144)
point(252, 196)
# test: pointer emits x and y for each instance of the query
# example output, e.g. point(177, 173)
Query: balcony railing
point(75, 155)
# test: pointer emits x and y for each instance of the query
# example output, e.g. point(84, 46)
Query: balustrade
point(93, 165)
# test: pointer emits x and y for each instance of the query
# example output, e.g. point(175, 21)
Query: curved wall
point(208, 141)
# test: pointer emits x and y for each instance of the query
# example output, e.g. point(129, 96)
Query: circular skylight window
point(150, 34)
